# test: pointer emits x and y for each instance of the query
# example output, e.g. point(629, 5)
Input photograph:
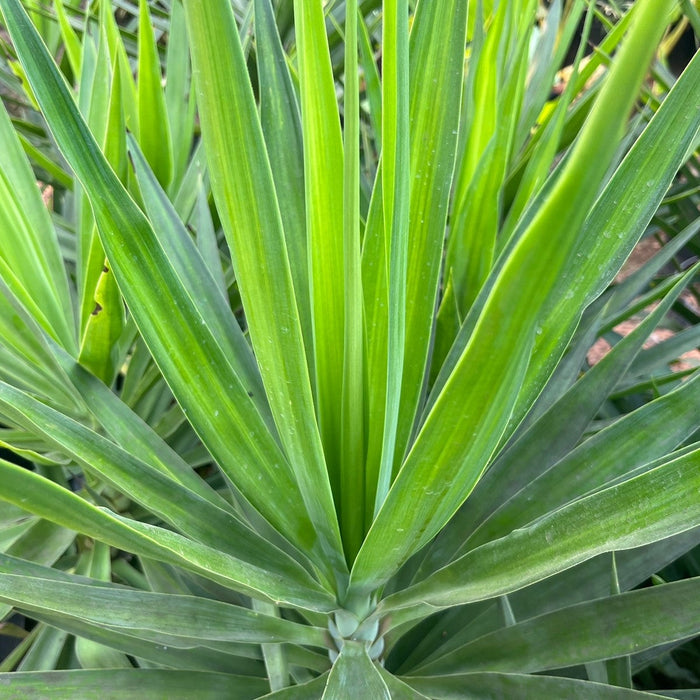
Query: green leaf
point(104, 327)
point(47, 648)
point(434, 137)
point(117, 50)
point(610, 454)
point(145, 484)
point(129, 431)
point(398, 689)
point(323, 170)
point(200, 373)
point(195, 659)
point(355, 674)
point(516, 686)
point(352, 444)
point(188, 264)
point(276, 576)
point(591, 631)
point(96, 563)
point(493, 110)
point(548, 439)
point(372, 79)
point(313, 690)
point(154, 127)
point(395, 190)
point(70, 38)
point(182, 621)
point(650, 507)
point(250, 216)
point(43, 542)
point(180, 104)
point(281, 124)
point(621, 212)
point(443, 467)
point(30, 259)
point(117, 684)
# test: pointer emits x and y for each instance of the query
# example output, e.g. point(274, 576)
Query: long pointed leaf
point(606, 521)
point(181, 620)
point(595, 630)
point(323, 169)
point(276, 576)
point(117, 684)
point(518, 686)
point(250, 215)
point(471, 414)
point(188, 352)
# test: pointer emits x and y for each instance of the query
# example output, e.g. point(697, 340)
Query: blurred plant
point(313, 389)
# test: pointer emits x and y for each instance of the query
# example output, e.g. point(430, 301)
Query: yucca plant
point(313, 390)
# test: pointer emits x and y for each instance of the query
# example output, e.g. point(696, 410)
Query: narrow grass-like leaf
point(154, 127)
point(116, 684)
point(540, 162)
point(471, 414)
point(194, 659)
point(373, 87)
point(250, 215)
point(96, 563)
point(352, 442)
point(180, 104)
point(44, 654)
point(493, 113)
point(661, 355)
point(395, 179)
point(43, 542)
point(276, 576)
point(118, 55)
point(606, 521)
point(434, 134)
point(189, 354)
point(274, 654)
point(207, 242)
point(56, 172)
point(323, 169)
point(518, 686)
point(28, 243)
point(311, 690)
point(127, 429)
point(600, 629)
point(70, 38)
point(610, 454)
point(650, 160)
point(149, 486)
point(398, 689)
point(281, 125)
point(25, 359)
point(548, 439)
point(613, 226)
point(188, 264)
point(189, 620)
point(98, 351)
point(96, 88)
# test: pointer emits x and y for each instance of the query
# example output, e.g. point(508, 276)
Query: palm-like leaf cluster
point(301, 350)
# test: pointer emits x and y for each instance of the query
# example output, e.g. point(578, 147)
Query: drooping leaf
point(115, 684)
point(605, 521)
point(591, 631)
